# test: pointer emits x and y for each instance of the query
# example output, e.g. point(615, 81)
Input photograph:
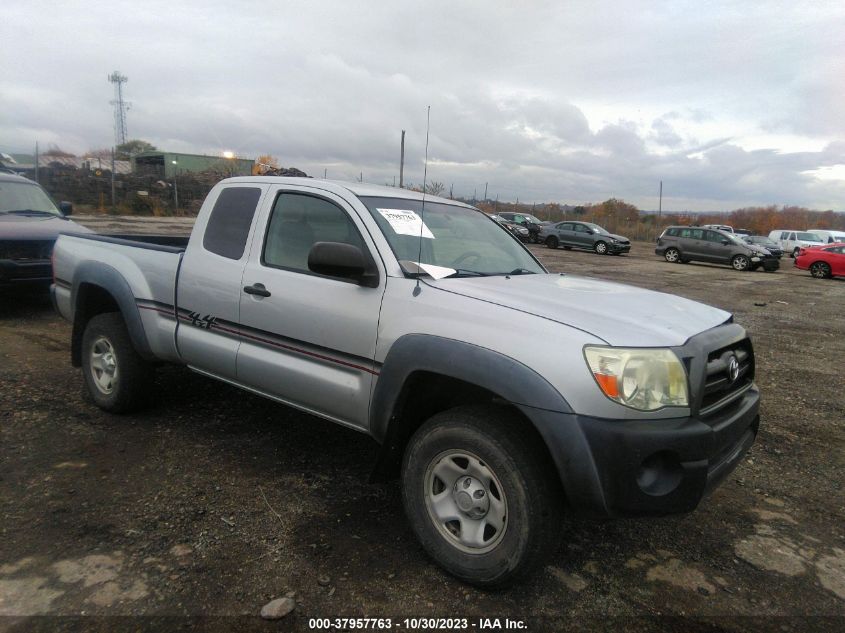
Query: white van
point(829, 237)
point(792, 241)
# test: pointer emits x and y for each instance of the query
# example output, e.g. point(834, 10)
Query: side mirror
point(337, 259)
point(66, 207)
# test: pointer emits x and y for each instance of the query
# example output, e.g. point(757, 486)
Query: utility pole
point(451, 187)
point(485, 191)
point(175, 189)
point(660, 204)
point(497, 203)
point(325, 171)
point(402, 162)
point(36, 161)
point(113, 207)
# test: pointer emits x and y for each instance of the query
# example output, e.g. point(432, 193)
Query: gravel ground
point(215, 502)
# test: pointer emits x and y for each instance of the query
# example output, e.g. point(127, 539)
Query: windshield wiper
point(463, 272)
point(520, 271)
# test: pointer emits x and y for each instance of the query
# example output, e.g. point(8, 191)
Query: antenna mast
point(120, 107)
point(425, 177)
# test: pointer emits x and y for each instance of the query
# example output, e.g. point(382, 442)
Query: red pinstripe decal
point(168, 313)
point(294, 349)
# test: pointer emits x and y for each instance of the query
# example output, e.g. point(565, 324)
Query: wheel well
point(91, 300)
point(423, 395)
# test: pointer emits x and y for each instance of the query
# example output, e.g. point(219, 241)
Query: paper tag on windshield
point(405, 222)
point(436, 272)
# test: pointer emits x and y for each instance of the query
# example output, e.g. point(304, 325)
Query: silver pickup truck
point(393, 315)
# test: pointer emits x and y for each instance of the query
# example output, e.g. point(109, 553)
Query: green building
point(168, 164)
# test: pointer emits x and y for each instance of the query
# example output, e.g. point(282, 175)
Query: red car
point(823, 261)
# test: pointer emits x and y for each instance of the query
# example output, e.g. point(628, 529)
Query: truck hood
point(36, 227)
point(620, 315)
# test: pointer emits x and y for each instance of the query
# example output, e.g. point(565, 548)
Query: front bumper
point(647, 467)
point(615, 247)
point(17, 272)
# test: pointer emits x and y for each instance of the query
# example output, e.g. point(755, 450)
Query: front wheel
point(552, 242)
point(795, 252)
point(600, 248)
point(740, 262)
point(484, 502)
point(117, 378)
point(672, 255)
point(820, 270)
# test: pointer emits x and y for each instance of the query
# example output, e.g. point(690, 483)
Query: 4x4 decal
point(204, 322)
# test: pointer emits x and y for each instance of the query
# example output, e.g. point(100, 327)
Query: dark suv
point(682, 244)
point(30, 222)
point(764, 241)
point(584, 235)
point(528, 221)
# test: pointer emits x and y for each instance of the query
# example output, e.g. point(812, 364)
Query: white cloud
point(729, 104)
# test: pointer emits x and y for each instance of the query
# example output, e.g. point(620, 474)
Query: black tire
point(741, 263)
point(672, 255)
point(530, 493)
point(820, 270)
point(795, 252)
point(132, 376)
point(567, 248)
point(600, 247)
point(552, 242)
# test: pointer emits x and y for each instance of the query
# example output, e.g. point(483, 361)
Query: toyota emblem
point(733, 368)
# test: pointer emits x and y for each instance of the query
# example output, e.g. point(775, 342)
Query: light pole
point(175, 190)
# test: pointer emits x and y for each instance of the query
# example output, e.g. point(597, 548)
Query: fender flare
point(508, 378)
point(110, 280)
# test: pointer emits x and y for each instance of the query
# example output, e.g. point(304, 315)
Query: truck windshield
point(23, 198)
point(455, 237)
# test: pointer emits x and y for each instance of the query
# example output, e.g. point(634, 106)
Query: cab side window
point(297, 222)
point(230, 220)
point(566, 226)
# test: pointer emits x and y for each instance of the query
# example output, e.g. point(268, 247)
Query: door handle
point(257, 289)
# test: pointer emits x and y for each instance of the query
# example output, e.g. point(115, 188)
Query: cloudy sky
point(729, 103)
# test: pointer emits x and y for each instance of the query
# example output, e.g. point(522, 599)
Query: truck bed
point(139, 270)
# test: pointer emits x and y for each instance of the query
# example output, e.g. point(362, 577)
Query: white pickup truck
point(392, 314)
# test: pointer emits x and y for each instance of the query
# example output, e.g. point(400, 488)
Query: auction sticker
point(405, 222)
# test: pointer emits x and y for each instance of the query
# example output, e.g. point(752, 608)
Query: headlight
point(644, 379)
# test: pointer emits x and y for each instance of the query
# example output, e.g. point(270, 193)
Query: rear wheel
point(600, 247)
point(820, 270)
point(117, 378)
point(795, 252)
point(552, 242)
point(484, 502)
point(672, 255)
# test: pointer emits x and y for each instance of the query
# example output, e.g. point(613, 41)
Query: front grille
point(720, 387)
point(26, 250)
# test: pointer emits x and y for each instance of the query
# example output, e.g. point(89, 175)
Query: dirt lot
point(215, 501)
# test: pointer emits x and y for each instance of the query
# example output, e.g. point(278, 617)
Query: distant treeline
point(621, 217)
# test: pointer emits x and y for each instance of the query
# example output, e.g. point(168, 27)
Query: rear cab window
point(229, 223)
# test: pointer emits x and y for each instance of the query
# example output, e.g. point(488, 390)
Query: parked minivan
point(792, 241)
point(683, 244)
point(827, 236)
